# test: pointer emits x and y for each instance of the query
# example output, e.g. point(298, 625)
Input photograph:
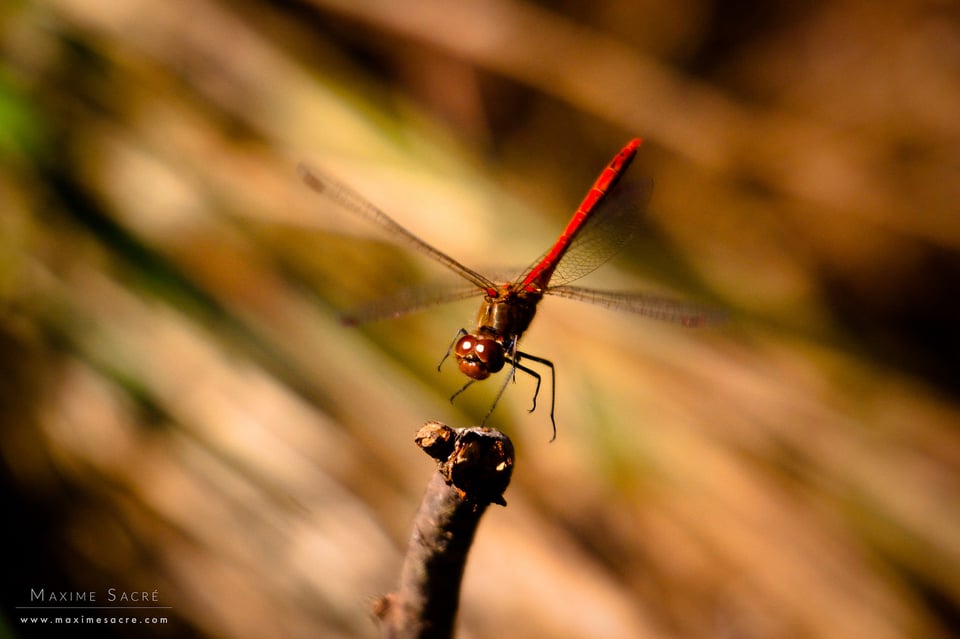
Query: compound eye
point(473, 369)
point(477, 357)
point(465, 346)
point(490, 353)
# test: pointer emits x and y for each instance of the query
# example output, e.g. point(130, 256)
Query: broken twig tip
point(477, 461)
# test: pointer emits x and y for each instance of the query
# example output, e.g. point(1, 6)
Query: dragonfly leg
point(553, 383)
point(513, 359)
point(496, 400)
point(462, 388)
point(460, 334)
point(532, 373)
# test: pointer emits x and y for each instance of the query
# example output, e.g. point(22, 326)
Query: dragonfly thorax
point(501, 320)
point(508, 314)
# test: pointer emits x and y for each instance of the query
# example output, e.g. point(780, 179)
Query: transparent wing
point(615, 222)
point(350, 200)
point(408, 300)
point(664, 309)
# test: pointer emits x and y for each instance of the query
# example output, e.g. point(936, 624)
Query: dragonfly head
point(478, 357)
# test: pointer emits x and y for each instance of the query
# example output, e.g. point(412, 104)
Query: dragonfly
point(605, 220)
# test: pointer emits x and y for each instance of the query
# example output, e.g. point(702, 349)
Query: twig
point(474, 467)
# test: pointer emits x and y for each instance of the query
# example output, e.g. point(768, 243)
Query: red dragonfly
point(604, 221)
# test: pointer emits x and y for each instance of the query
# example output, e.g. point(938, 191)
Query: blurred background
point(183, 413)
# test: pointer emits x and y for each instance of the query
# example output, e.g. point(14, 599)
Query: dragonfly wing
point(665, 309)
point(408, 300)
point(616, 221)
point(338, 192)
